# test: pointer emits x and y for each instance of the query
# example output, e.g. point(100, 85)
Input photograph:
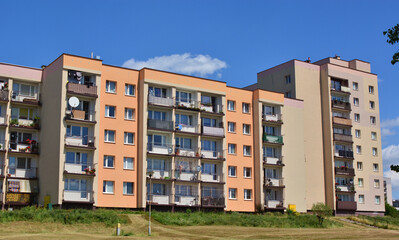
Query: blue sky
point(230, 40)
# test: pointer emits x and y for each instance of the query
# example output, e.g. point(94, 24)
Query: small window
point(247, 150)
point(372, 104)
point(109, 161)
point(109, 136)
point(377, 200)
point(361, 198)
point(128, 188)
point(288, 79)
point(130, 114)
point(371, 89)
point(231, 105)
point(360, 166)
point(231, 127)
point(129, 138)
point(357, 117)
point(287, 94)
point(108, 187)
point(246, 129)
point(247, 172)
point(357, 133)
point(245, 107)
point(247, 194)
point(128, 163)
point(232, 193)
point(373, 136)
point(372, 120)
point(232, 148)
point(375, 167)
point(110, 87)
point(359, 149)
point(360, 182)
point(130, 90)
point(232, 171)
point(375, 153)
point(376, 183)
point(355, 86)
point(110, 111)
point(356, 102)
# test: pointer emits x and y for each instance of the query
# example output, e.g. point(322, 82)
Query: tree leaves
point(393, 37)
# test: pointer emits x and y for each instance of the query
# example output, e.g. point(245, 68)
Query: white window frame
point(377, 183)
point(361, 198)
point(132, 114)
point(359, 164)
point(107, 185)
point(358, 149)
point(373, 120)
point(231, 127)
point(126, 138)
point(247, 194)
point(247, 152)
point(246, 108)
point(355, 86)
point(357, 117)
point(372, 104)
point(107, 158)
point(107, 111)
point(360, 182)
point(107, 136)
point(377, 199)
point(374, 151)
point(125, 188)
point(125, 161)
point(376, 167)
point(247, 170)
point(230, 172)
point(127, 91)
point(231, 105)
point(246, 127)
point(358, 133)
point(356, 102)
point(233, 193)
point(231, 147)
point(374, 136)
point(108, 88)
point(371, 89)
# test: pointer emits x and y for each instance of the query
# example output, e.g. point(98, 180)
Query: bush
point(391, 211)
point(322, 211)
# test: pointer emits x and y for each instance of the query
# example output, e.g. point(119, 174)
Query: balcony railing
point(161, 174)
point(82, 89)
point(345, 171)
point(160, 124)
point(160, 101)
point(159, 199)
point(186, 152)
point(24, 147)
point(160, 148)
point(187, 200)
point(344, 188)
point(80, 115)
point(80, 141)
point(76, 168)
point(271, 117)
point(78, 196)
point(346, 205)
point(274, 182)
point(274, 203)
point(212, 201)
point(342, 121)
point(4, 95)
point(211, 108)
point(187, 128)
point(341, 105)
point(342, 137)
point(186, 175)
point(273, 160)
point(188, 105)
point(22, 173)
point(213, 131)
point(218, 154)
point(25, 97)
point(345, 154)
point(272, 139)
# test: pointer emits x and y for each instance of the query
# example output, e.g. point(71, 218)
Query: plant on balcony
point(352, 188)
point(87, 170)
point(337, 189)
point(14, 122)
point(5, 87)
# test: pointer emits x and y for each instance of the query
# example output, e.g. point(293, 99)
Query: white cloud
point(390, 123)
point(387, 132)
point(394, 176)
point(202, 65)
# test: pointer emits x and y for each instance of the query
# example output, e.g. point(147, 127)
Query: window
point(375, 152)
point(128, 163)
point(72, 131)
point(208, 168)
point(376, 183)
point(109, 136)
point(232, 171)
point(110, 111)
point(377, 200)
point(355, 86)
point(207, 100)
point(110, 87)
point(359, 149)
point(23, 113)
point(109, 161)
point(76, 158)
point(360, 182)
point(128, 188)
point(231, 105)
point(209, 122)
point(157, 189)
point(372, 104)
point(246, 129)
point(357, 133)
point(247, 194)
point(129, 90)
point(156, 164)
point(232, 193)
point(359, 165)
point(157, 92)
point(361, 198)
point(375, 167)
point(183, 143)
point(356, 102)
point(184, 120)
point(73, 184)
point(372, 120)
point(24, 90)
point(156, 115)
point(183, 97)
point(129, 138)
point(371, 89)
point(247, 150)
point(130, 114)
point(373, 136)
point(287, 94)
point(231, 127)
point(357, 117)
point(232, 148)
point(288, 79)
point(108, 187)
point(245, 107)
point(247, 172)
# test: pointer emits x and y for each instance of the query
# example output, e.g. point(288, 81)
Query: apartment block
point(112, 137)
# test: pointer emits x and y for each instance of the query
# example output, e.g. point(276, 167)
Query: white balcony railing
point(271, 117)
point(160, 174)
point(79, 141)
point(273, 203)
point(272, 160)
point(77, 168)
point(211, 177)
point(187, 128)
point(186, 200)
point(22, 97)
point(213, 131)
point(160, 101)
point(185, 176)
point(160, 148)
point(78, 196)
point(22, 173)
point(276, 182)
point(185, 152)
point(345, 89)
point(160, 199)
point(211, 154)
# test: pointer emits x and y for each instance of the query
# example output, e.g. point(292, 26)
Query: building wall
point(388, 190)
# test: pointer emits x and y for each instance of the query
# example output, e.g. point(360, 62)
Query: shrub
point(391, 211)
point(322, 211)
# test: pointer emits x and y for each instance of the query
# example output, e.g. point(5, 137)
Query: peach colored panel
point(20, 72)
point(82, 62)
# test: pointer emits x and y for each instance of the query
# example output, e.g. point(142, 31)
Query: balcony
point(342, 137)
point(344, 154)
point(159, 199)
point(22, 173)
point(345, 171)
point(346, 205)
point(3, 120)
point(341, 105)
point(341, 89)
point(272, 139)
point(212, 108)
point(160, 101)
point(212, 178)
point(274, 182)
point(81, 89)
point(77, 196)
point(186, 152)
point(160, 148)
point(80, 115)
point(342, 121)
point(80, 141)
point(160, 124)
point(187, 129)
point(25, 98)
point(187, 175)
point(350, 188)
point(29, 146)
point(84, 169)
point(274, 203)
point(188, 105)
point(161, 174)
point(187, 200)
point(272, 118)
point(273, 160)
point(4, 95)
point(212, 154)
point(25, 123)
point(213, 131)
point(212, 201)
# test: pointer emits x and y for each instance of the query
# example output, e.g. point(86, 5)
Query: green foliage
point(391, 211)
point(393, 37)
point(322, 211)
point(14, 122)
point(240, 219)
point(108, 217)
point(395, 168)
point(386, 222)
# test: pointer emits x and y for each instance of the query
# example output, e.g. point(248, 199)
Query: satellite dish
point(73, 102)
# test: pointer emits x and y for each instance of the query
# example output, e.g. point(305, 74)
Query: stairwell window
point(110, 87)
point(109, 161)
point(108, 187)
point(232, 193)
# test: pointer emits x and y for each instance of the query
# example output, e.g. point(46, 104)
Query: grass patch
point(386, 222)
point(241, 219)
point(108, 217)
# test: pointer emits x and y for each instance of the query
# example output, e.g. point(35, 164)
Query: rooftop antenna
point(92, 54)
